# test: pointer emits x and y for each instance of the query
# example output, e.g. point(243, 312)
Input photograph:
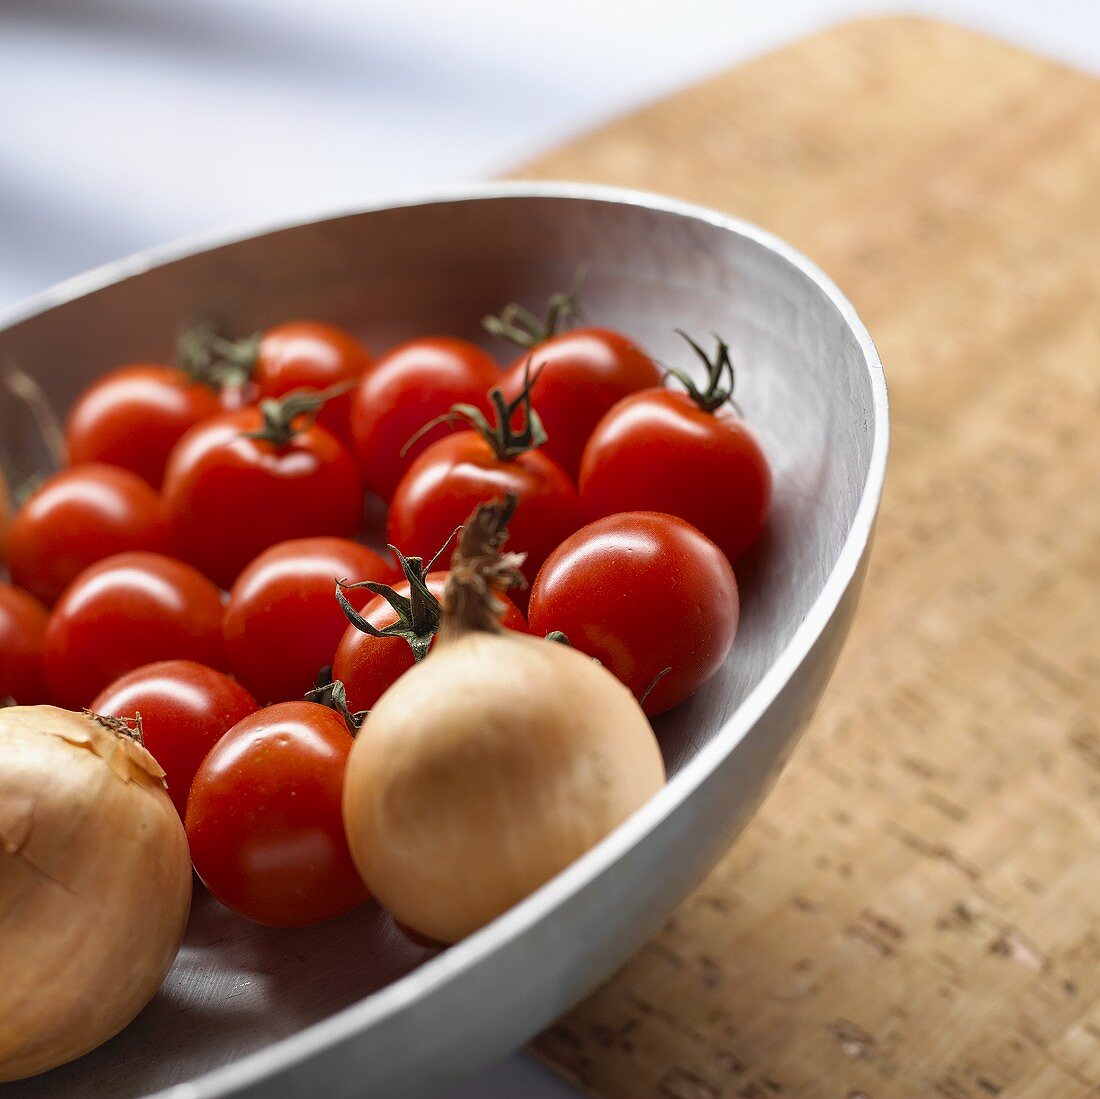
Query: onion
point(95, 884)
point(492, 764)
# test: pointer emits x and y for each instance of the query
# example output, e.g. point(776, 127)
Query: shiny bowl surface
point(351, 1008)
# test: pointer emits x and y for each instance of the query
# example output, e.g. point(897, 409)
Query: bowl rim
point(449, 964)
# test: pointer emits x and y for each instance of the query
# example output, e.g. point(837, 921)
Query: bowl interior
point(438, 268)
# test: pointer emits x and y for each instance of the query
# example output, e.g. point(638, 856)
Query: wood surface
point(916, 911)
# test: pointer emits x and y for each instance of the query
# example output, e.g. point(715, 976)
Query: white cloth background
point(126, 123)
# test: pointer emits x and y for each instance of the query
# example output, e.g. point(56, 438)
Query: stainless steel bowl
point(350, 1008)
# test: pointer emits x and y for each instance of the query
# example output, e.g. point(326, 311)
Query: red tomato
point(23, 623)
point(124, 612)
point(410, 386)
point(311, 355)
point(282, 624)
point(264, 818)
point(6, 515)
point(185, 709)
point(133, 416)
point(579, 375)
point(231, 496)
point(687, 454)
point(367, 665)
point(80, 516)
point(642, 592)
point(456, 474)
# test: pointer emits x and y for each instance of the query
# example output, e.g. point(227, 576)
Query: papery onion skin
point(95, 885)
point(487, 769)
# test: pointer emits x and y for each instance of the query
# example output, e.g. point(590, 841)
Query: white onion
point(491, 765)
point(95, 885)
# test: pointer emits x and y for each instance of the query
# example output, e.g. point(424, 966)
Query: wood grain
point(916, 911)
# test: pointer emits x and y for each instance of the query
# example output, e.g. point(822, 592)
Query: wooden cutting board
point(916, 911)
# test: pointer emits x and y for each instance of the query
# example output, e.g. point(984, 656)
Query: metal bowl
point(350, 1008)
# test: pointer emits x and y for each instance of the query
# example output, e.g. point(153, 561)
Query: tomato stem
point(280, 414)
point(334, 696)
point(520, 326)
point(209, 359)
point(24, 388)
point(418, 613)
point(506, 441)
point(720, 375)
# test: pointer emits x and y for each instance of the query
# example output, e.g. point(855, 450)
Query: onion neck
point(480, 569)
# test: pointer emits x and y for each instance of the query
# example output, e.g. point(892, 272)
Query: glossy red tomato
point(185, 709)
point(230, 495)
point(579, 376)
point(642, 592)
point(368, 665)
point(264, 818)
point(80, 516)
point(410, 386)
point(6, 515)
point(454, 475)
point(124, 612)
point(282, 624)
point(314, 356)
point(23, 623)
point(133, 416)
point(688, 454)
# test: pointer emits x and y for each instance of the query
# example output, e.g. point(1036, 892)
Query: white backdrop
point(125, 123)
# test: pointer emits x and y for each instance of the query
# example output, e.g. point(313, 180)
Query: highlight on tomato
point(264, 819)
point(126, 611)
point(648, 595)
point(182, 710)
point(581, 372)
point(418, 381)
point(689, 454)
point(78, 517)
point(243, 481)
point(283, 623)
point(455, 474)
point(133, 416)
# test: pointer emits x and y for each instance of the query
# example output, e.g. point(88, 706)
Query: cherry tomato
point(231, 495)
point(124, 612)
point(79, 516)
point(368, 665)
point(642, 592)
point(185, 709)
point(264, 818)
point(408, 387)
point(133, 416)
point(23, 623)
point(456, 474)
point(282, 624)
point(6, 515)
point(579, 375)
point(688, 454)
point(311, 355)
